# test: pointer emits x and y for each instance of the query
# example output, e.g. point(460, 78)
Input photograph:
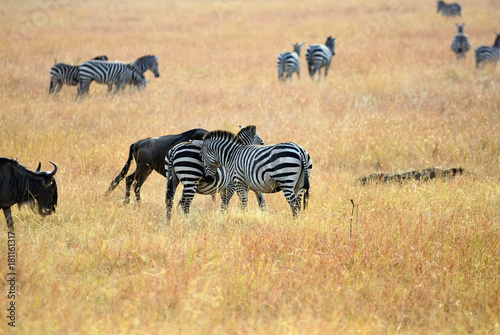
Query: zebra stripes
point(289, 63)
point(461, 44)
point(452, 9)
point(267, 169)
point(183, 164)
point(485, 54)
point(142, 64)
point(64, 74)
point(318, 56)
point(117, 73)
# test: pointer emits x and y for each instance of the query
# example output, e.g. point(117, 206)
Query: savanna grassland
point(415, 258)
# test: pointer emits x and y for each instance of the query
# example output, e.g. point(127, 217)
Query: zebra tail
point(122, 173)
point(51, 86)
point(306, 182)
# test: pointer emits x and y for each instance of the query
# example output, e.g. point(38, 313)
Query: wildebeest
point(149, 154)
point(19, 185)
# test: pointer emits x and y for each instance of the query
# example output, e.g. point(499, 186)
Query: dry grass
point(422, 258)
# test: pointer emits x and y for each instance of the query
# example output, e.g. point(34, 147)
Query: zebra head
point(212, 147)
point(248, 135)
point(440, 5)
point(330, 43)
point(297, 47)
point(145, 63)
point(460, 28)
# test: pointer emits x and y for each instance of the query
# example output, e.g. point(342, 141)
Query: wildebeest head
point(44, 191)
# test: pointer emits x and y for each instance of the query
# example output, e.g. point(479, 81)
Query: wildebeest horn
point(55, 169)
point(39, 166)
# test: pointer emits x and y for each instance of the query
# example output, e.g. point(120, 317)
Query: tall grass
point(423, 257)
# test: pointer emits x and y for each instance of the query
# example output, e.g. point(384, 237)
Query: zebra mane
point(222, 134)
point(144, 58)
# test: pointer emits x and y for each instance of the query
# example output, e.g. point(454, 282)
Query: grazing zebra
point(485, 54)
point(143, 64)
point(452, 9)
point(289, 62)
point(461, 44)
point(183, 164)
point(117, 73)
point(267, 169)
point(66, 74)
point(318, 56)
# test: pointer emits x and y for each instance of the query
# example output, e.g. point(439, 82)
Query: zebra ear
point(157, 57)
point(198, 143)
point(253, 129)
point(335, 38)
point(301, 44)
point(240, 126)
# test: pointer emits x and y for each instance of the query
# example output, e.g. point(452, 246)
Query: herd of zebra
point(220, 162)
point(103, 72)
point(319, 56)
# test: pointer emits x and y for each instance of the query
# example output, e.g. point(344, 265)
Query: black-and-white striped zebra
point(318, 56)
point(183, 164)
point(452, 9)
point(117, 73)
point(289, 63)
point(262, 168)
point(485, 54)
point(461, 44)
point(143, 64)
point(65, 74)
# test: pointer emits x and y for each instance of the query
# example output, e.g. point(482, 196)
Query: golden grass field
point(415, 258)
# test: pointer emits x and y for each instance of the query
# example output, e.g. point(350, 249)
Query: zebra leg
point(261, 201)
point(226, 196)
point(326, 70)
point(242, 191)
point(187, 197)
point(58, 87)
point(293, 202)
point(110, 87)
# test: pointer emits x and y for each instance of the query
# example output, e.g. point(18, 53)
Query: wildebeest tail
point(122, 173)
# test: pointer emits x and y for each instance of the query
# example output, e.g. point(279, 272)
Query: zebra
point(142, 64)
point(452, 9)
point(485, 54)
point(62, 73)
point(318, 56)
point(116, 73)
point(289, 62)
point(262, 168)
point(461, 44)
point(183, 164)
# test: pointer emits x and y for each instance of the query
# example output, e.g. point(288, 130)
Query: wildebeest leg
point(8, 217)
point(128, 184)
point(141, 175)
point(172, 183)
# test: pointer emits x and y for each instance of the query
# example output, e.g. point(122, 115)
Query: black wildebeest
point(19, 185)
point(149, 154)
